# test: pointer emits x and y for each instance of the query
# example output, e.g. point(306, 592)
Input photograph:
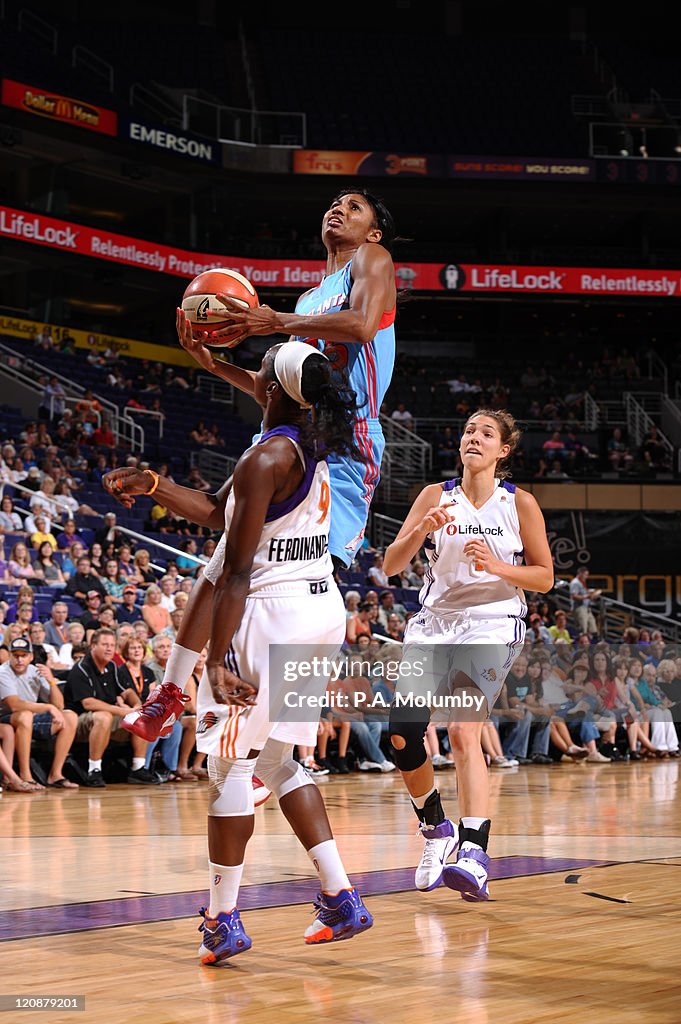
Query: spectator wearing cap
point(83, 580)
point(559, 630)
point(537, 632)
point(33, 478)
point(387, 606)
point(101, 700)
point(93, 608)
point(128, 610)
point(35, 708)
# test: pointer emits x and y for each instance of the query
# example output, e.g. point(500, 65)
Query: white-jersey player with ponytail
point(485, 542)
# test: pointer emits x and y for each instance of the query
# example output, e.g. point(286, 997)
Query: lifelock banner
point(461, 278)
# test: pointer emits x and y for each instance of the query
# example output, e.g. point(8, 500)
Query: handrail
point(53, 499)
point(94, 64)
point(159, 544)
point(655, 362)
point(156, 413)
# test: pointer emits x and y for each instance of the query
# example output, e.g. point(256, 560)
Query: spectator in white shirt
point(402, 415)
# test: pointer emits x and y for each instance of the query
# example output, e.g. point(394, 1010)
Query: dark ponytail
point(334, 412)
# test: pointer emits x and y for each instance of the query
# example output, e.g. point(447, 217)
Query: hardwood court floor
point(101, 891)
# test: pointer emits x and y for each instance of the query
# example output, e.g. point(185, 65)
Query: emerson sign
point(172, 141)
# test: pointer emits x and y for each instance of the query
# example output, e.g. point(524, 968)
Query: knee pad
point(279, 770)
point(410, 723)
point(231, 787)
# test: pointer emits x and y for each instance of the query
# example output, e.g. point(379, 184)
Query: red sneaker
point(260, 791)
point(157, 716)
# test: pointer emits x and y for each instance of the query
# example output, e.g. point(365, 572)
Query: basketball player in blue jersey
point(477, 532)
point(350, 317)
point(274, 580)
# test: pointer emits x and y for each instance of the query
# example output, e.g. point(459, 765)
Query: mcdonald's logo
point(59, 108)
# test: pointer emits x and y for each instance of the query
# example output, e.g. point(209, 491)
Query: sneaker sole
point(209, 959)
point(139, 730)
point(460, 881)
point(347, 931)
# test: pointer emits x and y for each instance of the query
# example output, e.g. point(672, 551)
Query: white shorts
point(481, 649)
point(305, 622)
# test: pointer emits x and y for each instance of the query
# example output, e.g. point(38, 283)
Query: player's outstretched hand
point(123, 484)
point(261, 320)
point(228, 688)
point(192, 342)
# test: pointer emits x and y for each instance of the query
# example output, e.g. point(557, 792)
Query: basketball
point(199, 300)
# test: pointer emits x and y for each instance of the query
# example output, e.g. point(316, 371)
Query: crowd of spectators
point(560, 441)
point(84, 608)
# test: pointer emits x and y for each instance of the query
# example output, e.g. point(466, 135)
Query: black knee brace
point(410, 724)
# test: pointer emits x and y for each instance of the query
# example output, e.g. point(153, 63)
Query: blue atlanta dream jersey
point(370, 366)
point(294, 544)
point(452, 582)
point(370, 369)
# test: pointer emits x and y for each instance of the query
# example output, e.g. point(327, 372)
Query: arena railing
point(151, 541)
point(216, 390)
point(213, 465)
point(614, 616)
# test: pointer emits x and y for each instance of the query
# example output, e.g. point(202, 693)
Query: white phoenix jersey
point(294, 544)
point(454, 583)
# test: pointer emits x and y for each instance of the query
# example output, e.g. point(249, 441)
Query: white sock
point(420, 801)
point(180, 666)
point(137, 763)
point(329, 867)
point(224, 887)
point(94, 766)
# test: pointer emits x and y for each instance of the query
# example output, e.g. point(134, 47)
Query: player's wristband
point(155, 477)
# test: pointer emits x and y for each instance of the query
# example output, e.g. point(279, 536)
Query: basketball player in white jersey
point(477, 532)
point(274, 583)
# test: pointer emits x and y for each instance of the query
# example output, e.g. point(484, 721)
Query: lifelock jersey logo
point(470, 528)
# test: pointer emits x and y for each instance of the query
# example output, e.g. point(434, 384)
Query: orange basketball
point(200, 297)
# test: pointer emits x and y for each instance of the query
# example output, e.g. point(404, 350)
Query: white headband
point(288, 366)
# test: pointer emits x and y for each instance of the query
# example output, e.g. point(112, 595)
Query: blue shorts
point(352, 488)
point(42, 725)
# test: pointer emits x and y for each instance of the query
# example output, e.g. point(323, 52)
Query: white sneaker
point(440, 761)
point(369, 766)
point(503, 762)
point(387, 766)
point(597, 758)
point(440, 842)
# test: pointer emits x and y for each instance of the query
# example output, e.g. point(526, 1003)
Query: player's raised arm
point(196, 506)
point(373, 293)
point(235, 375)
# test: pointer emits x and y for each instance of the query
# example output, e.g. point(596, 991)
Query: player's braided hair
point(510, 435)
point(334, 408)
point(331, 427)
